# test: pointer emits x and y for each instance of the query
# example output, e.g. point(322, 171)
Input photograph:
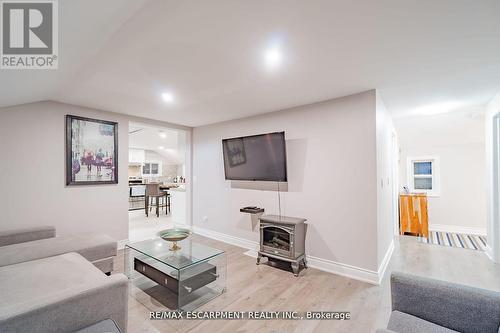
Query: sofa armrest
point(15, 236)
point(74, 311)
point(457, 307)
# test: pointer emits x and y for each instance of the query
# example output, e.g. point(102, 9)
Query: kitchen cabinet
point(136, 156)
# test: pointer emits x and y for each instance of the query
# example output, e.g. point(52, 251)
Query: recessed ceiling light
point(161, 147)
point(437, 108)
point(273, 57)
point(167, 97)
point(162, 134)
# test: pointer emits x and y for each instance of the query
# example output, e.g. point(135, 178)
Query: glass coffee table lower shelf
point(178, 280)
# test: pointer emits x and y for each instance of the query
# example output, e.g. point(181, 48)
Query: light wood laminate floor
point(263, 288)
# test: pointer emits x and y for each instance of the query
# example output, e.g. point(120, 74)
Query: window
point(151, 169)
point(154, 168)
point(423, 175)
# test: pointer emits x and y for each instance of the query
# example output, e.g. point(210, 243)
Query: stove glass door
point(276, 238)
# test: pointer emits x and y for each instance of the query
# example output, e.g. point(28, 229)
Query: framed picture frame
point(91, 151)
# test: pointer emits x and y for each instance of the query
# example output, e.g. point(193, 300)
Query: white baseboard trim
point(122, 243)
point(338, 268)
point(353, 272)
point(457, 229)
point(385, 262)
point(240, 242)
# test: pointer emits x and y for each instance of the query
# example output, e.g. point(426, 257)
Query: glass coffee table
point(179, 280)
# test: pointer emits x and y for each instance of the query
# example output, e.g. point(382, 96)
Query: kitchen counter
point(179, 207)
point(162, 185)
point(180, 188)
point(177, 193)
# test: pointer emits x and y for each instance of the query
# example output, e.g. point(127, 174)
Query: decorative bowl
point(174, 235)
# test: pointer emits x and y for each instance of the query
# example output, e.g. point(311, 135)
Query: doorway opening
point(157, 174)
point(493, 251)
point(442, 176)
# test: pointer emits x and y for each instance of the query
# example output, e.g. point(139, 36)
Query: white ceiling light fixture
point(167, 97)
point(273, 57)
point(162, 134)
point(437, 108)
point(161, 147)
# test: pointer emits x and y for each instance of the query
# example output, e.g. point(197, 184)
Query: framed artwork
point(91, 151)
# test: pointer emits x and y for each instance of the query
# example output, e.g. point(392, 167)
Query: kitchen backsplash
point(168, 171)
point(134, 171)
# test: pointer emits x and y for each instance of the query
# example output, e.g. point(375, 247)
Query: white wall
point(493, 215)
point(385, 180)
point(169, 166)
point(32, 168)
point(458, 140)
point(332, 171)
point(34, 191)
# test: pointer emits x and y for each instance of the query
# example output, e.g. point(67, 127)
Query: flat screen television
point(256, 157)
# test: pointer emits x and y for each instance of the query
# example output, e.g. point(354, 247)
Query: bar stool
point(167, 203)
point(167, 199)
point(153, 192)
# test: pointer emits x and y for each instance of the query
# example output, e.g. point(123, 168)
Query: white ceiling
point(120, 55)
point(171, 145)
point(461, 127)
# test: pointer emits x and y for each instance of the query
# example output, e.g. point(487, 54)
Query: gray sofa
point(104, 326)
point(47, 287)
point(63, 293)
point(9, 237)
point(21, 245)
point(425, 305)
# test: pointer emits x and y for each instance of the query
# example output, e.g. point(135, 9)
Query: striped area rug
point(472, 242)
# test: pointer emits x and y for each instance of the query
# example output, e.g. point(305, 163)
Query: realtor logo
point(29, 34)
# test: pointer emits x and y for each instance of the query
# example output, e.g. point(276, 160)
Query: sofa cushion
point(63, 293)
point(401, 322)
point(15, 236)
point(25, 286)
point(461, 308)
point(91, 246)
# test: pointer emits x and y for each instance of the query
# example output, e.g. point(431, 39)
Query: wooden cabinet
point(413, 217)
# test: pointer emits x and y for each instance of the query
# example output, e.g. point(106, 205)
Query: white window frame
point(146, 175)
point(436, 174)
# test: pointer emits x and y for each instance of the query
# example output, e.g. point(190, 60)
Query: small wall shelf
point(252, 210)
